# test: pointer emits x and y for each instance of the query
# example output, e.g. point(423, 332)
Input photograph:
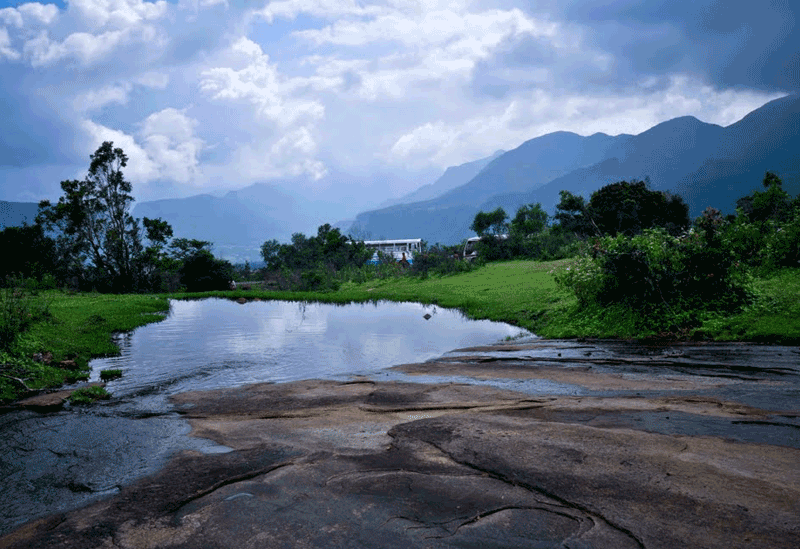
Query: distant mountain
point(453, 177)
point(239, 222)
point(446, 219)
point(14, 214)
point(707, 164)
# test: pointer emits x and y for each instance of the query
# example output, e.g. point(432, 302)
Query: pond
point(215, 343)
point(59, 461)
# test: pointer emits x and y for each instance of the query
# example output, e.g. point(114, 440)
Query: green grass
point(80, 328)
point(87, 395)
point(773, 317)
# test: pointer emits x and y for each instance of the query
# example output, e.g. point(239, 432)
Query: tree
point(94, 220)
point(622, 208)
point(26, 252)
point(771, 204)
point(530, 219)
point(572, 215)
point(490, 223)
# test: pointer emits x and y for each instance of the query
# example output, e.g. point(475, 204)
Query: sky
point(359, 101)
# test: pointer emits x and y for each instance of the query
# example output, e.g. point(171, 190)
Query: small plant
point(87, 395)
point(108, 375)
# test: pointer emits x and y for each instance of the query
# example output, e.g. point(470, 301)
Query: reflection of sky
point(218, 343)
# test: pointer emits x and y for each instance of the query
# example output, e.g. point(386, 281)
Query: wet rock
point(241, 301)
point(426, 316)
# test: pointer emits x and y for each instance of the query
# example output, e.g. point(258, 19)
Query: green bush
point(19, 308)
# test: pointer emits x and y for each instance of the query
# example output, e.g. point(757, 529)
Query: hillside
point(707, 164)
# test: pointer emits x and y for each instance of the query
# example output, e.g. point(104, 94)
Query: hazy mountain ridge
point(707, 164)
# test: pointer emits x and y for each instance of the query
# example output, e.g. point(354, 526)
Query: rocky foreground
point(602, 446)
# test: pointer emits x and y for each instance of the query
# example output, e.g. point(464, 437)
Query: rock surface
point(396, 464)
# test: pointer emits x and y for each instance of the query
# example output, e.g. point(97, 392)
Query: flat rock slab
point(391, 464)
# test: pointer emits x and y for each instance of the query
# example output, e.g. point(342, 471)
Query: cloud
point(261, 85)
point(164, 149)
point(539, 112)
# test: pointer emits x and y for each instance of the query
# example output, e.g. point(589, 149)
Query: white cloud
point(32, 13)
point(165, 149)
point(140, 169)
point(119, 14)
point(260, 84)
point(94, 100)
point(168, 137)
point(509, 123)
point(5, 46)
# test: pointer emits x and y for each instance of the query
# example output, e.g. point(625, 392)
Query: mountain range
point(707, 164)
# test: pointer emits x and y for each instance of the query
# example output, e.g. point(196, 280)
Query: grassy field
point(522, 293)
point(79, 328)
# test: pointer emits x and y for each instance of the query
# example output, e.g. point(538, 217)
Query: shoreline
point(652, 451)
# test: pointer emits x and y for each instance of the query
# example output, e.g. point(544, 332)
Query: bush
point(19, 308)
point(660, 276)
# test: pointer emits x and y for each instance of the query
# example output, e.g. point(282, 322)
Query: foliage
point(201, 272)
point(529, 220)
point(28, 253)
point(623, 207)
point(19, 308)
point(493, 223)
point(312, 263)
point(87, 395)
point(108, 375)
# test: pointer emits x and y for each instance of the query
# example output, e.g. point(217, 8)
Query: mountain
point(14, 214)
point(453, 177)
point(238, 222)
point(706, 164)
point(446, 218)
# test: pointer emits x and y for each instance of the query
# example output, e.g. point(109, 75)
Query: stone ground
point(677, 447)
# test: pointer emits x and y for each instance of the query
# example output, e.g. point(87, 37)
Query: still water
point(59, 461)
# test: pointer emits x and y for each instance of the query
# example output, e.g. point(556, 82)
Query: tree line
point(89, 240)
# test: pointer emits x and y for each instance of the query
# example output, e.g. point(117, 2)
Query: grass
point(522, 293)
point(87, 395)
point(79, 328)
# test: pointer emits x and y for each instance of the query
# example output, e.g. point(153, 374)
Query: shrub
point(19, 308)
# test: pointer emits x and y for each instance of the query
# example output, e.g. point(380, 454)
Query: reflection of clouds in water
point(219, 343)
point(274, 324)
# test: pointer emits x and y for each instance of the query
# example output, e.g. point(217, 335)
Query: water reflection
point(217, 343)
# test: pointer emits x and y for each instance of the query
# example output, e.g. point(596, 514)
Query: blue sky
point(360, 100)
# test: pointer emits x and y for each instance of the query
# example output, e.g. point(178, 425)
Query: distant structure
point(402, 250)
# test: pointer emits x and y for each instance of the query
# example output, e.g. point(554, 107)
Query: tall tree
point(94, 225)
point(530, 219)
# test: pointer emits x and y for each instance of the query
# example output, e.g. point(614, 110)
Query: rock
point(241, 301)
point(426, 316)
point(50, 402)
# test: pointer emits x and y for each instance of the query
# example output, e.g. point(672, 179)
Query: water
point(59, 461)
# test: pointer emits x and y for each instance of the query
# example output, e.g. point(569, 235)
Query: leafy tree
point(629, 208)
point(622, 208)
point(94, 220)
point(530, 219)
point(27, 252)
point(490, 222)
point(202, 272)
point(573, 217)
point(771, 204)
